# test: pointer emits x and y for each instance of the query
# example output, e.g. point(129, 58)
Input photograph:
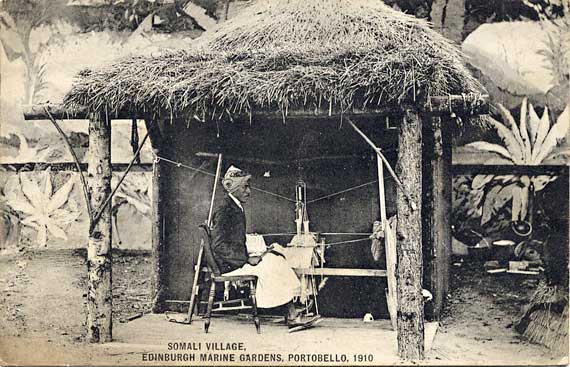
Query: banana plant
point(531, 141)
point(40, 207)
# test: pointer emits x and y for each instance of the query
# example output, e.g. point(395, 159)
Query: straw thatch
point(283, 55)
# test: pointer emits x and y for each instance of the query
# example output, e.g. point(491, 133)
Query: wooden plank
point(488, 169)
point(341, 272)
point(69, 167)
point(439, 105)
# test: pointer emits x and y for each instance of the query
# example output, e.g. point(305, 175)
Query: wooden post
point(409, 235)
point(440, 228)
point(99, 258)
point(158, 251)
point(157, 234)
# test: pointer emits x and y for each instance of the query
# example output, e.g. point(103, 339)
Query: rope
point(345, 242)
point(342, 192)
point(179, 164)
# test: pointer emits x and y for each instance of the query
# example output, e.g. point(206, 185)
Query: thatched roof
point(280, 55)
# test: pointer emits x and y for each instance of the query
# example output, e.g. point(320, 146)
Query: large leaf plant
point(40, 207)
point(531, 141)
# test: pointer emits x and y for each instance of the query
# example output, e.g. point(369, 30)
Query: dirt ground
point(43, 307)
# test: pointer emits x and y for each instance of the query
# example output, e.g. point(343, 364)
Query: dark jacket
point(228, 236)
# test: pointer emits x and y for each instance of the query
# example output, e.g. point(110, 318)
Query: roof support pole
point(409, 237)
point(99, 258)
point(437, 210)
point(158, 252)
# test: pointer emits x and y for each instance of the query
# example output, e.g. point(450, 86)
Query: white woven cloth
point(277, 283)
point(255, 244)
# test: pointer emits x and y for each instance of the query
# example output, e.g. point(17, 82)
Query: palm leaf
point(30, 221)
point(54, 229)
point(543, 127)
point(496, 199)
point(42, 236)
point(488, 204)
point(553, 155)
point(505, 179)
point(21, 205)
point(556, 135)
point(488, 147)
point(509, 139)
point(509, 121)
point(503, 196)
point(533, 124)
point(481, 180)
point(524, 132)
point(523, 202)
point(32, 192)
point(60, 197)
point(540, 182)
point(48, 188)
point(63, 216)
point(517, 203)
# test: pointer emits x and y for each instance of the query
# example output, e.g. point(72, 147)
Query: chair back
point(208, 253)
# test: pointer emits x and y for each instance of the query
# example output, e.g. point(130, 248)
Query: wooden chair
point(213, 270)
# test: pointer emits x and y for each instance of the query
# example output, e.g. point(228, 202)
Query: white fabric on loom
point(255, 244)
point(277, 283)
point(299, 254)
point(298, 257)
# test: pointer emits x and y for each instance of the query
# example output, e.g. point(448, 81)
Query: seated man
point(277, 283)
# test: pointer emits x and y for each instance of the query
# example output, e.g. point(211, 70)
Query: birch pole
point(410, 325)
point(99, 258)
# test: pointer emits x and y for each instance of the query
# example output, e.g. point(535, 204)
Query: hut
point(277, 90)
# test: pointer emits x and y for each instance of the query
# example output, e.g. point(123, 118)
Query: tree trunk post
point(441, 221)
point(99, 258)
point(409, 235)
point(437, 210)
point(158, 250)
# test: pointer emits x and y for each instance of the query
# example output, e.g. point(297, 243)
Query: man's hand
point(254, 260)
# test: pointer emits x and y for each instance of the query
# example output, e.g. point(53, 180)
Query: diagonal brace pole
point(378, 151)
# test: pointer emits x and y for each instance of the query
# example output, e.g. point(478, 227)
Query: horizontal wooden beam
point(461, 105)
point(341, 272)
point(69, 167)
point(488, 169)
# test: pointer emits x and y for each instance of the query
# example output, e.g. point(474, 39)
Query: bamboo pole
point(391, 298)
point(381, 191)
point(99, 258)
point(194, 290)
point(158, 262)
point(410, 322)
point(378, 152)
point(390, 249)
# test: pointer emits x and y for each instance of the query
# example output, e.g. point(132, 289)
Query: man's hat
point(234, 179)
